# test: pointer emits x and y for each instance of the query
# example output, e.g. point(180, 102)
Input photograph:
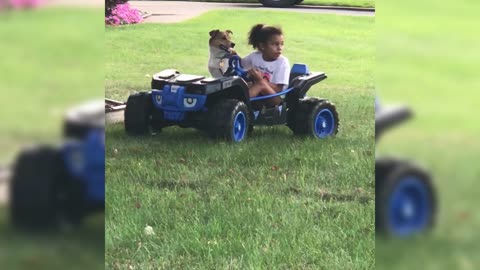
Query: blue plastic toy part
point(409, 208)
point(324, 123)
point(173, 101)
point(301, 69)
point(85, 161)
point(284, 92)
point(235, 63)
point(239, 127)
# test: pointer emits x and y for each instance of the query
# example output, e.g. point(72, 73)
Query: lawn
point(437, 75)
point(51, 60)
point(273, 201)
point(349, 3)
point(41, 79)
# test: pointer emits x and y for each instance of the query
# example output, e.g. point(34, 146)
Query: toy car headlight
point(158, 99)
point(189, 102)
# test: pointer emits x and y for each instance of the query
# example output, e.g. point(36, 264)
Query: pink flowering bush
point(123, 14)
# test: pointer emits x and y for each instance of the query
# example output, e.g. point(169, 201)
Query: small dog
point(220, 45)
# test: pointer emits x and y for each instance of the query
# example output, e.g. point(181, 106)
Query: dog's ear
point(229, 32)
point(214, 32)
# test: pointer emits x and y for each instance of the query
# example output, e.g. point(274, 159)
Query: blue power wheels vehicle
point(405, 200)
point(54, 185)
point(222, 107)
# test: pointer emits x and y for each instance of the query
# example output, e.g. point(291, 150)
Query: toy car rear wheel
point(34, 188)
point(314, 117)
point(138, 113)
point(76, 130)
point(229, 120)
point(156, 120)
point(404, 198)
point(81, 119)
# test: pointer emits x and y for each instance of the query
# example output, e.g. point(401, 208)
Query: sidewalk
point(76, 3)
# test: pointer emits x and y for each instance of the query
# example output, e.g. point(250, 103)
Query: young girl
point(268, 68)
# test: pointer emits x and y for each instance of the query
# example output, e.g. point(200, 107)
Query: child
point(268, 68)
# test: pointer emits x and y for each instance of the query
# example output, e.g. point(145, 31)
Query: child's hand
point(255, 74)
point(232, 51)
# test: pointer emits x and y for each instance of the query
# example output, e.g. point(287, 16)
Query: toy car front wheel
point(137, 113)
point(404, 199)
point(229, 120)
point(34, 186)
point(314, 117)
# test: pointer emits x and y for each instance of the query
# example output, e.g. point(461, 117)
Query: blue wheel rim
point(409, 207)
point(239, 127)
point(324, 123)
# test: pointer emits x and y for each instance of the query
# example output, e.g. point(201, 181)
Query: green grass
point(350, 3)
point(436, 74)
point(82, 248)
point(274, 201)
point(51, 60)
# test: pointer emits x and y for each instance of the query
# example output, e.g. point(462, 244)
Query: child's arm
point(276, 87)
point(257, 76)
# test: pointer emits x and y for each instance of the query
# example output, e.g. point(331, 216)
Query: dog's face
point(221, 39)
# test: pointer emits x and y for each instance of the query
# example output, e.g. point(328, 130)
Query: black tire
point(156, 121)
point(251, 128)
point(75, 130)
point(222, 117)
point(34, 188)
point(302, 118)
point(389, 175)
point(383, 168)
point(83, 118)
point(278, 3)
point(138, 113)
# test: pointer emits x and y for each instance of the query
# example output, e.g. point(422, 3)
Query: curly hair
point(261, 33)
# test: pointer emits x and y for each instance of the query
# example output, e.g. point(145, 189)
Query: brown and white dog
point(220, 44)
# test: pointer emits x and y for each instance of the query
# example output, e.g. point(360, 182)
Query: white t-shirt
point(279, 69)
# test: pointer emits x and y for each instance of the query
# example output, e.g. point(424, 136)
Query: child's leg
point(260, 87)
point(263, 88)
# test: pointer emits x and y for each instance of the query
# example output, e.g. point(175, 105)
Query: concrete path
point(76, 3)
point(177, 11)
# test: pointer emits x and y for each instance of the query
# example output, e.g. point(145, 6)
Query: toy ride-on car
point(405, 201)
point(222, 107)
point(57, 185)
